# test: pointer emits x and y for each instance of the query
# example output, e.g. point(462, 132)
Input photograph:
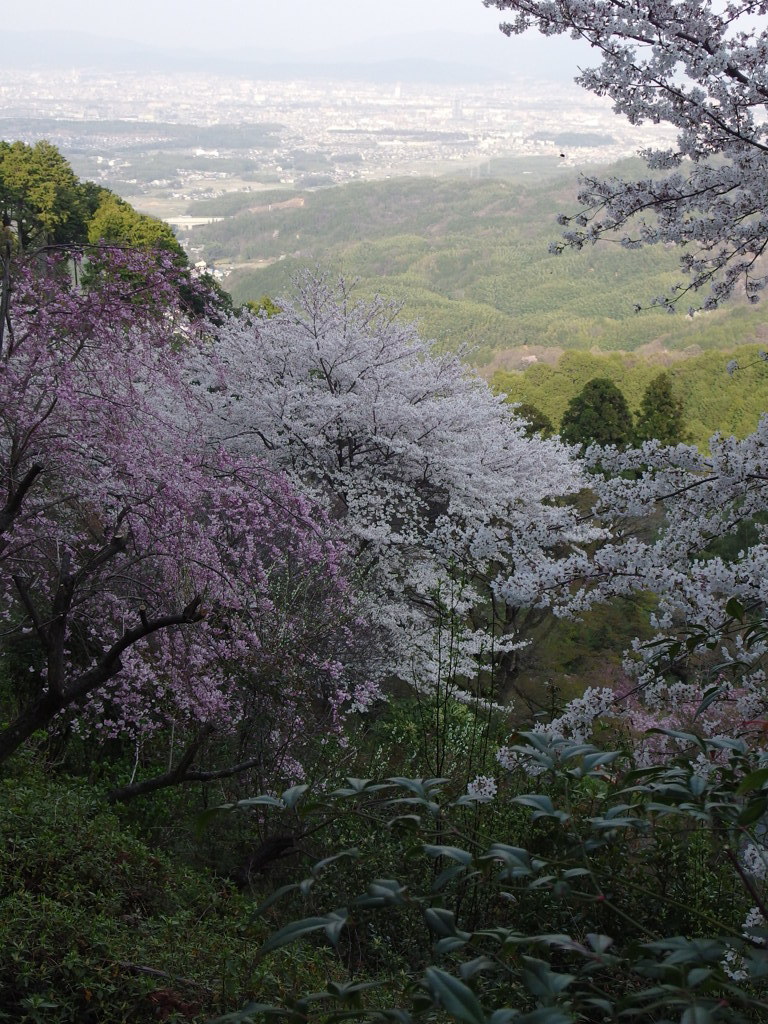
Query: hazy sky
point(301, 25)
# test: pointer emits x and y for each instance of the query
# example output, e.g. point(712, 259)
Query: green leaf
point(383, 892)
point(681, 950)
point(292, 796)
point(297, 929)
point(541, 980)
point(755, 809)
point(545, 1015)
point(516, 860)
point(592, 761)
point(275, 896)
point(335, 923)
point(451, 943)
point(503, 1016)
point(697, 1015)
point(698, 975)
point(754, 780)
point(405, 820)
point(321, 865)
point(347, 991)
point(599, 943)
point(541, 804)
point(473, 967)
point(256, 801)
point(441, 921)
point(249, 1013)
point(357, 787)
point(447, 875)
point(708, 699)
point(448, 851)
point(688, 737)
point(454, 996)
point(420, 787)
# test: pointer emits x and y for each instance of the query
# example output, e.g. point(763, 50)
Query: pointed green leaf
point(292, 796)
point(297, 929)
point(454, 996)
point(697, 1015)
point(448, 851)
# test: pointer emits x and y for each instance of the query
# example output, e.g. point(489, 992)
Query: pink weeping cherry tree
point(159, 581)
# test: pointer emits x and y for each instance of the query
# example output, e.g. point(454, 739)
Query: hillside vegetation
point(294, 549)
point(712, 400)
point(469, 259)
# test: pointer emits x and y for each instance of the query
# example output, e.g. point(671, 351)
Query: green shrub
point(95, 926)
point(610, 894)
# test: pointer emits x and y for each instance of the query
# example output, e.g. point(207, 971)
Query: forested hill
point(470, 259)
point(42, 203)
point(712, 400)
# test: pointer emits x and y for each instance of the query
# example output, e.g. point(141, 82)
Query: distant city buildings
point(339, 131)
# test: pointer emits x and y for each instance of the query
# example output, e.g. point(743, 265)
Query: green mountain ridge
point(469, 259)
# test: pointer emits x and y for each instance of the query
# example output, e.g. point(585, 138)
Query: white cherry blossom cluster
point(482, 789)
point(701, 68)
point(733, 964)
point(691, 500)
point(430, 476)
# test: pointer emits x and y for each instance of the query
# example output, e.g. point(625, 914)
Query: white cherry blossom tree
point(426, 471)
point(702, 67)
point(705, 670)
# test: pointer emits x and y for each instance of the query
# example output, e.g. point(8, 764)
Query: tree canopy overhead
point(700, 67)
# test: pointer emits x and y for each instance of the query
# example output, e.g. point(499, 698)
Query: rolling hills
point(468, 257)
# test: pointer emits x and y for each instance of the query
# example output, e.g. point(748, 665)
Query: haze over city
point(292, 26)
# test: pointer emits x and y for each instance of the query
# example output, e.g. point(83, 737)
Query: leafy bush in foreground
point(97, 927)
point(574, 924)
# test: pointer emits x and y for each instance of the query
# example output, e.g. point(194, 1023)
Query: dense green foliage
point(537, 421)
point(40, 195)
point(42, 202)
point(98, 923)
point(586, 890)
point(661, 414)
point(599, 414)
point(711, 399)
point(538, 901)
point(469, 259)
point(116, 221)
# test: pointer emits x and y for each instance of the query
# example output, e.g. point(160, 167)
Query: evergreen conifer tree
point(661, 413)
point(536, 420)
point(599, 414)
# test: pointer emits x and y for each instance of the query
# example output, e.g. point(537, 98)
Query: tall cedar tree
point(599, 414)
point(661, 413)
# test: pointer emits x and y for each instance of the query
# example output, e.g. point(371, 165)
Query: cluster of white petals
point(428, 474)
point(702, 68)
point(482, 789)
point(733, 964)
